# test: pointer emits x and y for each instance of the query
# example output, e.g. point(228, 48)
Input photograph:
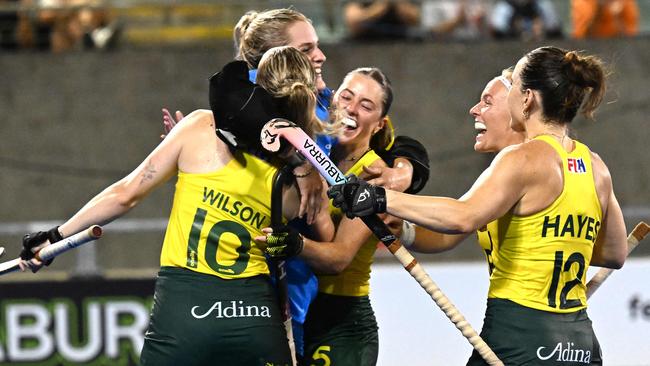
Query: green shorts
point(200, 319)
point(524, 336)
point(340, 331)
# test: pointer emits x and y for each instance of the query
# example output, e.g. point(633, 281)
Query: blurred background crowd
point(84, 82)
point(70, 25)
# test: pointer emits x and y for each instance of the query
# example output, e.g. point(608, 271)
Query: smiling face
point(302, 36)
point(492, 119)
point(359, 102)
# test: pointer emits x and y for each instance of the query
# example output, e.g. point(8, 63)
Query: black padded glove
point(284, 242)
point(357, 198)
point(32, 240)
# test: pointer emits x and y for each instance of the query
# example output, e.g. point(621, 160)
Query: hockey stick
point(287, 130)
point(640, 231)
point(282, 178)
point(53, 250)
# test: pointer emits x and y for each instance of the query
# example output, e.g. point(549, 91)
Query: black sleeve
point(413, 151)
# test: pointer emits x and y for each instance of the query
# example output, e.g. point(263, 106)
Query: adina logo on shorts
point(568, 354)
point(235, 309)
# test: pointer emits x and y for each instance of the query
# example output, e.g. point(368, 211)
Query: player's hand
point(310, 185)
point(396, 179)
point(282, 242)
point(169, 122)
point(33, 265)
point(357, 198)
point(394, 223)
point(33, 242)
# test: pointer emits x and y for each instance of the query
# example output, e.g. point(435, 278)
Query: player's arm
point(427, 241)
point(123, 195)
point(118, 198)
point(329, 257)
point(334, 256)
point(484, 202)
point(311, 189)
point(332, 253)
point(610, 248)
point(322, 227)
point(410, 167)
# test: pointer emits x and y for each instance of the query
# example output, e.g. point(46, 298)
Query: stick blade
point(270, 137)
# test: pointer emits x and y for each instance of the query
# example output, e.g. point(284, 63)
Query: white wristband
point(407, 237)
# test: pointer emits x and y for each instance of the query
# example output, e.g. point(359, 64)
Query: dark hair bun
point(582, 71)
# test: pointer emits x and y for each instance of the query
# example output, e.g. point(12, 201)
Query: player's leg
point(341, 330)
point(525, 336)
point(201, 319)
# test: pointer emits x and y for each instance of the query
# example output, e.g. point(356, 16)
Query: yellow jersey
point(215, 217)
point(541, 260)
point(355, 279)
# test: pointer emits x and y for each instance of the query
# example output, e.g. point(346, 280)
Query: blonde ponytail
point(287, 73)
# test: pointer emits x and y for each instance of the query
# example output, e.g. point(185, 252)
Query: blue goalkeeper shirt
point(302, 284)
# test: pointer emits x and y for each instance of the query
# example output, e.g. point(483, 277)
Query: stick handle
point(639, 232)
point(53, 250)
point(415, 269)
point(308, 148)
point(80, 238)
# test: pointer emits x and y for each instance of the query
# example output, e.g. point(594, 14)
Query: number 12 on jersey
point(559, 267)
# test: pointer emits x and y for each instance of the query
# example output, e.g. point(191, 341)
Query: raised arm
point(328, 257)
point(118, 198)
point(519, 168)
point(334, 256)
point(427, 241)
point(484, 202)
point(123, 195)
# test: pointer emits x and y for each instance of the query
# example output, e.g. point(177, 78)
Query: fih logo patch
point(576, 165)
